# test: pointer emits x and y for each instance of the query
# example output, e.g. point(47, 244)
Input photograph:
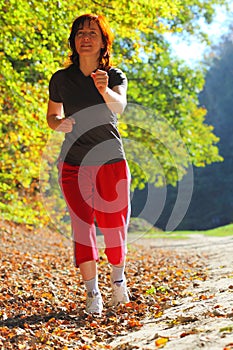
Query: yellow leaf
point(21, 346)
point(161, 342)
point(47, 295)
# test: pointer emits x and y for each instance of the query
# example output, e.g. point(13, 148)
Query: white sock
point(117, 275)
point(92, 286)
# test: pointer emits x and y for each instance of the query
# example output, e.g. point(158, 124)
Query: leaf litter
point(42, 299)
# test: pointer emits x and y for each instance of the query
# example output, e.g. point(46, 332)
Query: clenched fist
point(100, 78)
point(66, 125)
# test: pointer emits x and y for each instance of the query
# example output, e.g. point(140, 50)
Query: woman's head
point(107, 38)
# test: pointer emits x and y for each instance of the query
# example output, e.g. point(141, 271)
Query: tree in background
point(34, 45)
point(213, 194)
point(212, 200)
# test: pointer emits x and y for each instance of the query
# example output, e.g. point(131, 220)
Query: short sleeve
point(117, 77)
point(53, 88)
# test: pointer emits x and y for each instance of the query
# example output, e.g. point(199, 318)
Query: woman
point(93, 172)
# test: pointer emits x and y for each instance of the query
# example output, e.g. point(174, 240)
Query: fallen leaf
point(161, 342)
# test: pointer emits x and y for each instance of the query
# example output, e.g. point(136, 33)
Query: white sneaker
point(94, 303)
point(119, 293)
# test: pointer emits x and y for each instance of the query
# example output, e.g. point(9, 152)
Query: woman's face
point(88, 40)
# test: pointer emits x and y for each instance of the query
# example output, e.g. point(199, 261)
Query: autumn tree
point(213, 192)
point(211, 204)
point(34, 44)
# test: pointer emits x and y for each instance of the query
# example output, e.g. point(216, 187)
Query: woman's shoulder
point(116, 77)
point(62, 72)
point(115, 70)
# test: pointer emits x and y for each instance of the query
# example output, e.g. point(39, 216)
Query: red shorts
point(98, 193)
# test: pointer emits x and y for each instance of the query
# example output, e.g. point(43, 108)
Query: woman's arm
point(115, 98)
point(55, 120)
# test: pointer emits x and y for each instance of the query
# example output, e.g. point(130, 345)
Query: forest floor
point(181, 294)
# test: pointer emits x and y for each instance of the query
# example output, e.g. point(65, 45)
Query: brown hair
point(107, 37)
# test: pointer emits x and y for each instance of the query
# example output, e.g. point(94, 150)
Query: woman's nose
point(86, 35)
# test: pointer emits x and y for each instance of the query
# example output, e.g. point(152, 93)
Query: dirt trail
point(203, 319)
point(42, 297)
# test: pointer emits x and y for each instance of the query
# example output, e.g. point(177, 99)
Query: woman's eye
point(81, 34)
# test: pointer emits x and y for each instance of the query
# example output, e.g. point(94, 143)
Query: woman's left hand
point(100, 78)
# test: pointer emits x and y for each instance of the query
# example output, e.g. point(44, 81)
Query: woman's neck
point(87, 66)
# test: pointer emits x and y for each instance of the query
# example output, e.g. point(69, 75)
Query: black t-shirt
point(95, 138)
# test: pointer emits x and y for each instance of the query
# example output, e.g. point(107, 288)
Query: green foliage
point(172, 130)
point(34, 45)
point(213, 184)
point(211, 204)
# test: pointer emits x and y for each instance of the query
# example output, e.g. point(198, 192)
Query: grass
point(143, 228)
point(221, 231)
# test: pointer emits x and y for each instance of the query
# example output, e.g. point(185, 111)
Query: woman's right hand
point(56, 121)
point(65, 125)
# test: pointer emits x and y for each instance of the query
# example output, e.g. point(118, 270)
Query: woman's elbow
point(118, 107)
